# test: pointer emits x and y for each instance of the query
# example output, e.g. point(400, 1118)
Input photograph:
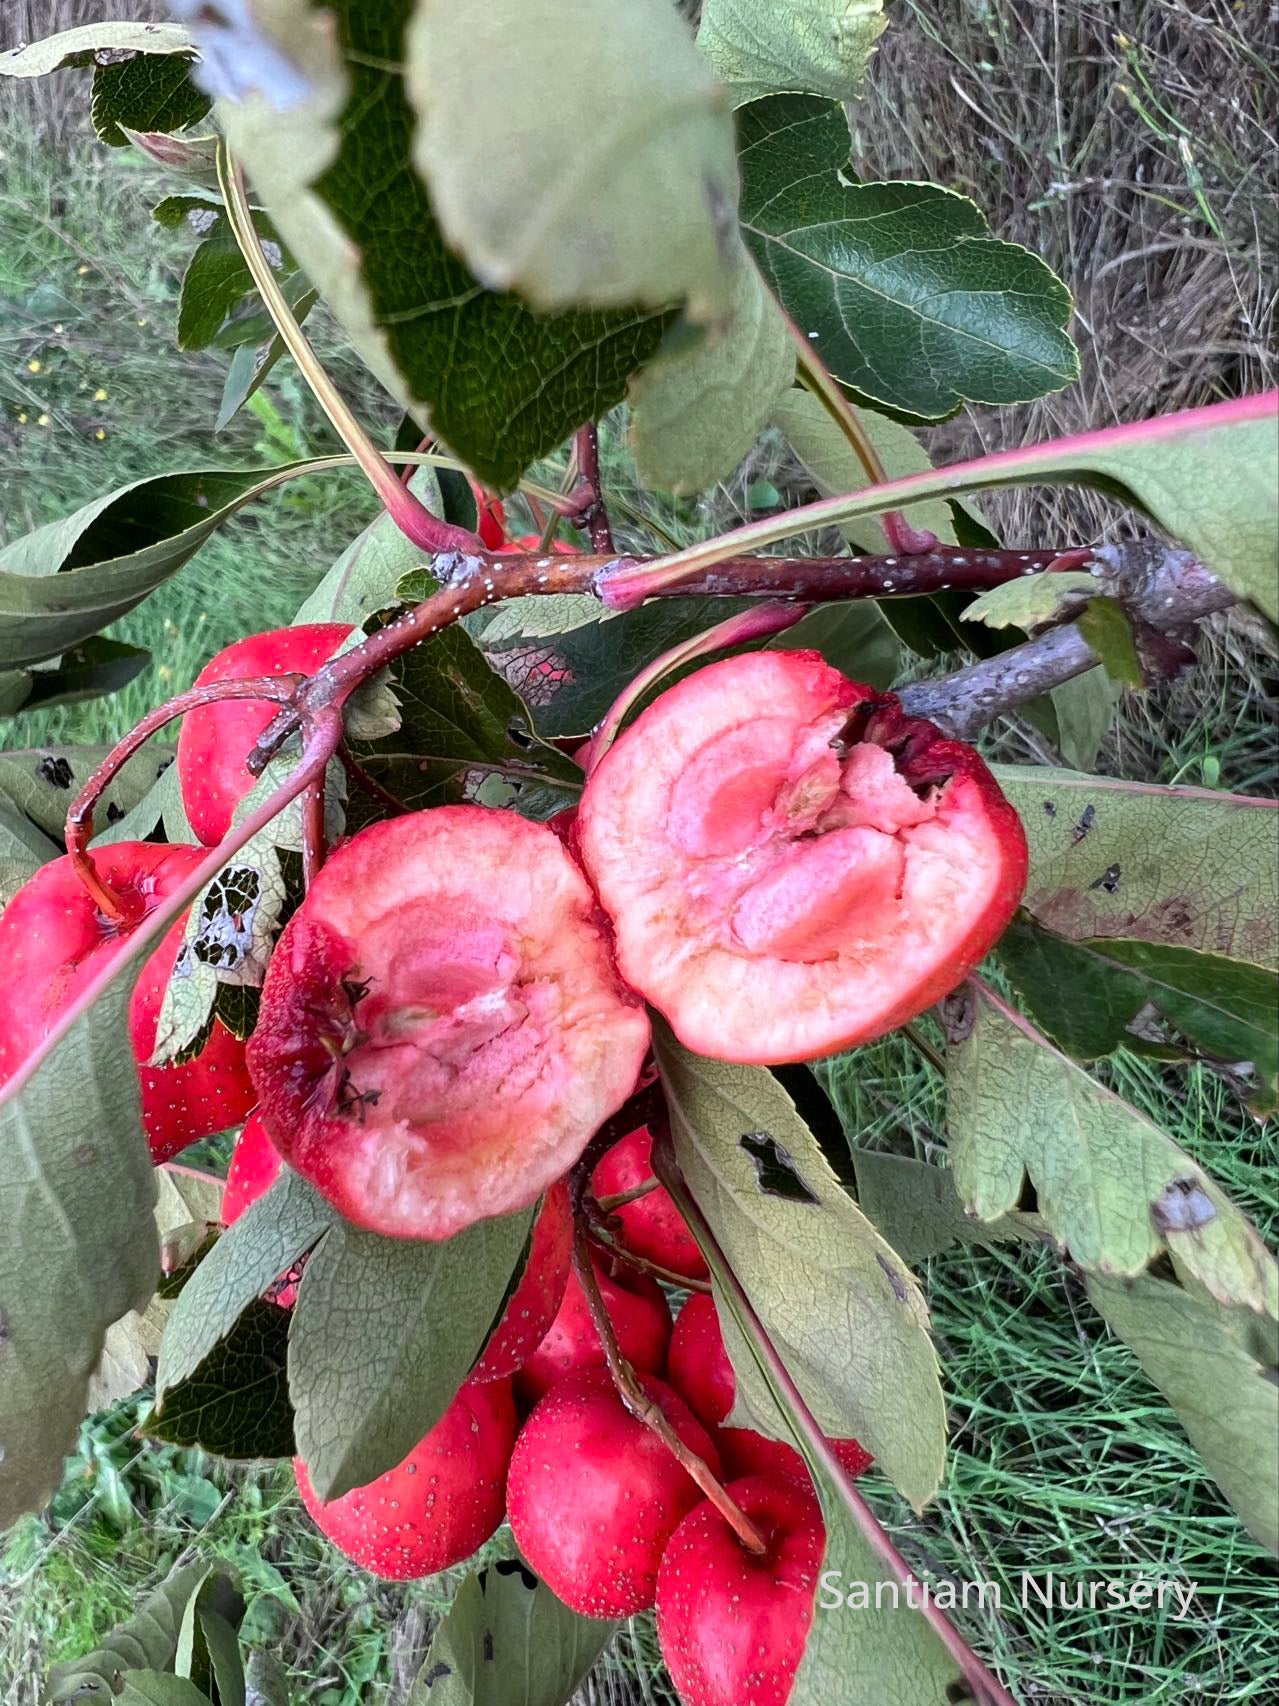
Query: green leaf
point(224, 1653)
point(88, 671)
point(268, 1239)
point(216, 281)
point(1188, 867)
point(815, 47)
point(151, 92)
point(835, 467)
point(148, 1641)
point(80, 1249)
point(1105, 624)
point(697, 411)
point(367, 575)
point(251, 367)
point(83, 46)
point(508, 1641)
point(1112, 1188)
point(459, 720)
point(1095, 996)
point(384, 1332)
point(74, 577)
point(160, 806)
point(42, 781)
point(853, 636)
point(913, 304)
point(1032, 601)
point(640, 217)
point(848, 1318)
point(917, 1208)
point(155, 1688)
point(1076, 716)
point(125, 1364)
point(267, 1679)
point(23, 849)
point(1221, 1378)
point(235, 1404)
point(500, 384)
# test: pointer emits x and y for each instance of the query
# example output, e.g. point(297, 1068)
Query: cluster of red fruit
point(599, 1506)
point(779, 860)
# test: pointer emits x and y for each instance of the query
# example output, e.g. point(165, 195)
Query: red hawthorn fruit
point(791, 863)
point(540, 1291)
point(594, 1494)
point(651, 1226)
point(533, 542)
point(438, 1506)
point(699, 1370)
point(255, 1166)
point(490, 519)
point(441, 1027)
point(54, 941)
point(732, 1624)
point(216, 739)
point(641, 1320)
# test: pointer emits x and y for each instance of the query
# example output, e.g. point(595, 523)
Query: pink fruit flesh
point(641, 1320)
point(699, 1370)
point(538, 1295)
point(441, 1028)
point(791, 864)
point(594, 1494)
point(54, 942)
point(732, 1625)
point(651, 1226)
point(438, 1506)
point(215, 740)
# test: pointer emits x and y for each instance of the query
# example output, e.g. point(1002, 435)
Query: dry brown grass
point(1131, 147)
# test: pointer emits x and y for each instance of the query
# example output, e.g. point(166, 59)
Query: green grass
point(1063, 1455)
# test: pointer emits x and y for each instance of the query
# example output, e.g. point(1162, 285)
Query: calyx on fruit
point(791, 863)
point(651, 1226)
point(442, 1029)
point(732, 1624)
point(594, 1494)
point(216, 739)
point(533, 1304)
point(641, 1319)
point(699, 1370)
point(436, 1507)
point(54, 941)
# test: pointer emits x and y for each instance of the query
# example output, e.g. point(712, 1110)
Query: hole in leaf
point(513, 1567)
point(775, 1167)
point(1183, 1206)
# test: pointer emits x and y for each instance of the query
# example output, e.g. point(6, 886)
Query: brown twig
point(622, 1199)
point(645, 1410)
point(591, 514)
point(369, 784)
point(600, 1232)
point(986, 1690)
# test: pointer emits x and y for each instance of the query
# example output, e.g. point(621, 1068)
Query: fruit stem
point(280, 689)
point(601, 1233)
point(407, 511)
point(620, 1199)
point(642, 1407)
point(986, 1690)
point(313, 831)
point(902, 538)
point(369, 784)
point(591, 513)
point(771, 618)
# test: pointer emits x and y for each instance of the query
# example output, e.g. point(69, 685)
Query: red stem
point(278, 689)
point(592, 515)
point(313, 831)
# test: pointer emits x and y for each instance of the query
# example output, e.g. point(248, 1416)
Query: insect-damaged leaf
point(1112, 1188)
point(837, 1301)
point(507, 1638)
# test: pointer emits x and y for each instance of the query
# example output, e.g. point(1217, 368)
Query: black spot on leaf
point(775, 1167)
point(1050, 810)
point(488, 1646)
point(55, 771)
point(958, 1016)
point(1183, 1207)
point(1108, 880)
point(437, 1673)
point(513, 1567)
point(1084, 825)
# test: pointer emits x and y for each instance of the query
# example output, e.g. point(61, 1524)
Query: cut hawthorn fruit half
point(442, 1029)
point(54, 941)
point(791, 863)
point(216, 739)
